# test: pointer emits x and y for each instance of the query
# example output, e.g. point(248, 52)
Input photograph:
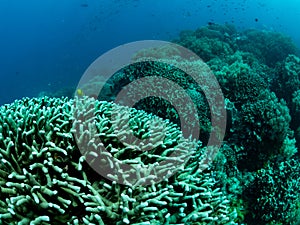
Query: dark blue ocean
point(47, 45)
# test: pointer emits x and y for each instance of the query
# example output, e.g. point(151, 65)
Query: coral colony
point(254, 179)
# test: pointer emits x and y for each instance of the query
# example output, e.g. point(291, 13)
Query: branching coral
point(45, 180)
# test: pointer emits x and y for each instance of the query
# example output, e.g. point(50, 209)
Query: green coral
point(45, 180)
point(295, 112)
point(157, 105)
point(205, 47)
point(275, 193)
point(269, 47)
point(258, 122)
point(217, 41)
point(287, 78)
point(264, 125)
point(248, 83)
point(286, 85)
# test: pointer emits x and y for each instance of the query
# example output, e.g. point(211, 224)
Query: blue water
point(47, 45)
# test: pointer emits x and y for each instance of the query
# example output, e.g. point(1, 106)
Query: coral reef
point(158, 106)
point(208, 42)
point(259, 76)
point(269, 47)
point(276, 193)
point(45, 180)
point(286, 85)
point(218, 41)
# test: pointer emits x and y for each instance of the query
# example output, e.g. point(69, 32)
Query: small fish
point(80, 92)
point(84, 5)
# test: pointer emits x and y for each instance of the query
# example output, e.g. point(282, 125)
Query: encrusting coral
point(45, 180)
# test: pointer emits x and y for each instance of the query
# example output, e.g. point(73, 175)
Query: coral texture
point(45, 180)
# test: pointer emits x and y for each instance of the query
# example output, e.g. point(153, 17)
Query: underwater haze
point(46, 46)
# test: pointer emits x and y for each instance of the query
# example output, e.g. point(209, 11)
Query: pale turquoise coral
point(44, 179)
